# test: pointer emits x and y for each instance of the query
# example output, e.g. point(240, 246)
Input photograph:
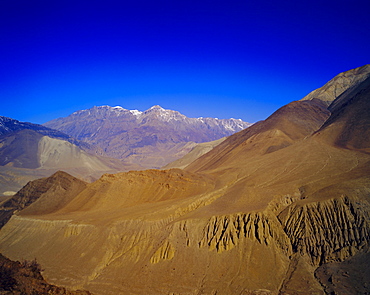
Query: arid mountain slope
point(152, 138)
point(29, 151)
point(50, 193)
point(349, 125)
point(339, 84)
point(198, 151)
point(234, 235)
point(284, 127)
point(10, 126)
point(278, 202)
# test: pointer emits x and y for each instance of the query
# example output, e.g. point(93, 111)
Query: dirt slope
point(259, 214)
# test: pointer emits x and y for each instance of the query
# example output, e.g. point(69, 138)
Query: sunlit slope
point(287, 125)
point(259, 213)
point(196, 152)
point(339, 84)
point(240, 236)
point(137, 194)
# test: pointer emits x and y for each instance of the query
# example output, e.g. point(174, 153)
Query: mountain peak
point(156, 107)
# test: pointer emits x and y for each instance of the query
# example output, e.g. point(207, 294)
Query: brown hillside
point(258, 214)
point(349, 126)
point(287, 125)
point(48, 194)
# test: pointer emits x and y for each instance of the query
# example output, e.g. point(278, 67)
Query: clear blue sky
point(240, 59)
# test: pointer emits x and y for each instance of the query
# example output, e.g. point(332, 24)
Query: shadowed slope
point(48, 194)
point(349, 125)
point(287, 125)
point(25, 278)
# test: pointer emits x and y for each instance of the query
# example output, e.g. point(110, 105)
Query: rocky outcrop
point(224, 232)
point(339, 84)
point(24, 278)
point(165, 252)
point(330, 230)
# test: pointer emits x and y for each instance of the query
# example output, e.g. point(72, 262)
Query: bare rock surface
point(339, 84)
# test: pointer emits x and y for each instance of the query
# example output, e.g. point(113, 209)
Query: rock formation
point(339, 84)
point(24, 278)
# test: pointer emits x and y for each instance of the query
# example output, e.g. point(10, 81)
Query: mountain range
point(281, 207)
point(97, 138)
point(151, 139)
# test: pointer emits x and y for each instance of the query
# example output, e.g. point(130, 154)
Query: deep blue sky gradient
point(240, 59)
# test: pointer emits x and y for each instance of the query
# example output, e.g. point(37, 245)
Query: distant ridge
point(151, 138)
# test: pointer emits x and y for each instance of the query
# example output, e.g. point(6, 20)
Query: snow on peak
point(156, 107)
point(136, 112)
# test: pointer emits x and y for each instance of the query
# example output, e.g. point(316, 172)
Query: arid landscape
point(278, 207)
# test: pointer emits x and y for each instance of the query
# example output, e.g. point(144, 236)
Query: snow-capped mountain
point(151, 138)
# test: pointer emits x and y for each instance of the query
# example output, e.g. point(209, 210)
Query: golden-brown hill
point(258, 214)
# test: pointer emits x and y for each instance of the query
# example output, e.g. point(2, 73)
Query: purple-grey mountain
point(151, 138)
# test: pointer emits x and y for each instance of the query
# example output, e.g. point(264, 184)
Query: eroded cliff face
point(328, 231)
point(229, 254)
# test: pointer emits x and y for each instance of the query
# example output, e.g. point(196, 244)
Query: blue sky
point(240, 59)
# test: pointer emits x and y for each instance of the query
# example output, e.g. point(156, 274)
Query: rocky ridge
point(339, 84)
